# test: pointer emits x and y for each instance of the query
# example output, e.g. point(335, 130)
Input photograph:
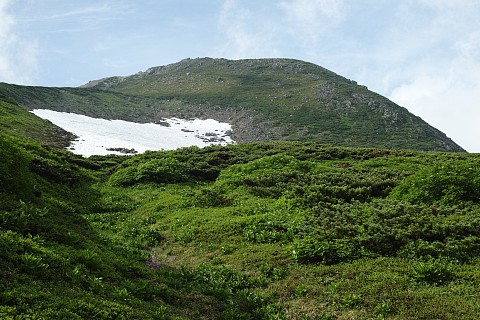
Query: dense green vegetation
point(264, 100)
point(256, 231)
point(272, 230)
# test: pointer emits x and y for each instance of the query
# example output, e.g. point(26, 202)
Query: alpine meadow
point(334, 203)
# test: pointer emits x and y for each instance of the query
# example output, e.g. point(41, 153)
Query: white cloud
point(314, 13)
point(247, 37)
point(85, 11)
point(270, 28)
point(18, 58)
point(309, 19)
point(72, 17)
point(444, 84)
point(447, 101)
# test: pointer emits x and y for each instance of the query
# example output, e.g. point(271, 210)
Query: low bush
point(312, 250)
point(161, 170)
point(269, 231)
point(54, 169)
point(445, 183)
point(212, 196)
point(387, 228)
point(15, 178)
point(434, 271)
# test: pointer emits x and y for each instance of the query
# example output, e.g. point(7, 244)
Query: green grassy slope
point(18, 122)
point(259, 231)
point(264, 100)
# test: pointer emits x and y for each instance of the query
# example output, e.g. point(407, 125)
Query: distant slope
point(264, 100)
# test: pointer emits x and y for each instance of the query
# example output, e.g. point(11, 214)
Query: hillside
point(264, 100)
point(258, 231)
point(18, 122)
point(262, 230)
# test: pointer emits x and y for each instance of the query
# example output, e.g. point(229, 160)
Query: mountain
point(263, 99)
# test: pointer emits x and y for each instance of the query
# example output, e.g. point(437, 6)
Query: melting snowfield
point(102, 137)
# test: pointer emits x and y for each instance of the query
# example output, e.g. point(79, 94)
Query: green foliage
point(17, 122)
point(271, 272)
point(265, 177)
point(261, 231)
point(161, 170)
point(388, 228)
point(352, 301)
point(311, 250)
point(435, 272)
point(269, 231)
point(301, 291)
point(268, 165)
point(222, 277)
point(212, 196)
point(444, 183)
point(25, 219)
point(55, 169)
point(15, 179)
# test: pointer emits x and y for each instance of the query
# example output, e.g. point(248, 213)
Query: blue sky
point(422, 54)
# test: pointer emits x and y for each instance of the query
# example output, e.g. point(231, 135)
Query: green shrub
point(186, 235)
point(271, 272)
point(446, 183)
point(32, 263)
point(301, 291)
point(124, 177)
point(352, 301)
point(212, 196)
point(434, 272)
point(265, 169)
point(162, 170)
point(391, 228)
point(384, 308)
point(268, 231)
point(220, 278)
point(54, 169)
point(25, 219)
point(151, 235)
point(15, 180)
point(311, 250)
point(421, 249)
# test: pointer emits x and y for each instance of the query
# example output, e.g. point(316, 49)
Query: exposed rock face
point(123, 150)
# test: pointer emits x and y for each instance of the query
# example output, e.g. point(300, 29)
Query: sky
point(422, 54)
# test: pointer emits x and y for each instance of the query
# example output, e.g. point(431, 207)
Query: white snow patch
point(96, 135)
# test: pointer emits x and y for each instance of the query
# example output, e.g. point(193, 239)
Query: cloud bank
point(247, 35)
point(308, 20)
point(444, 76)
point(272, 28)
point(18, 58)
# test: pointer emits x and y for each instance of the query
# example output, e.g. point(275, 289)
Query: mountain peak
point(288, 100)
